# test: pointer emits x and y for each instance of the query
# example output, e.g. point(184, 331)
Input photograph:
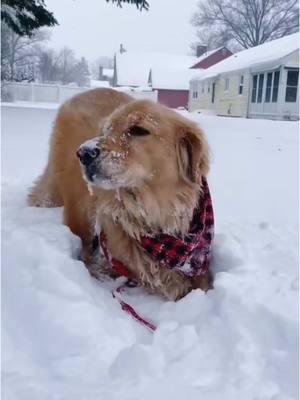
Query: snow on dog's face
point(144, 143)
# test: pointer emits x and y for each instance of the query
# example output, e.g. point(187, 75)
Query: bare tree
point(244, 23)
point(19, 53)
point(63, 67)
point(49, 66)
point(67, 62)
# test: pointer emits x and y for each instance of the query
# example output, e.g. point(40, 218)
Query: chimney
point(122, 49)
point(200, 50)
point(100, 77)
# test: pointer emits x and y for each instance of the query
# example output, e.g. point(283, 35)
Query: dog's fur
point(154, 181)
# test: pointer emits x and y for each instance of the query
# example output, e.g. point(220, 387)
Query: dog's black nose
point(87, 154)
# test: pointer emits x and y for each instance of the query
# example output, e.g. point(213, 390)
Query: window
point(254, 89)
point(272, 85)
point(213, 92)
point(203, 88)
point(208, 88)
point(226, 84)
point(269, 87)
point(291, 86)
point(260, 88)
point(195, 95)
point(241, 85)
point(257, 88)
point(275, 86)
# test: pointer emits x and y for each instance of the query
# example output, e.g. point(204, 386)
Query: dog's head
point(145, 143)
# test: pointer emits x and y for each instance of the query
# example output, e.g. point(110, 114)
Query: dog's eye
point(136, 130)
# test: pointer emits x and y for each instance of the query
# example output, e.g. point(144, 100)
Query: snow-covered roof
point(255, 56)
point(133, 89)
point(133, 67)
point(109, 72)
point(97, 83)
point(172, 78)
point(206, 54)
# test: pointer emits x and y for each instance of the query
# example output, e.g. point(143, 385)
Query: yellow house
point(260, 82)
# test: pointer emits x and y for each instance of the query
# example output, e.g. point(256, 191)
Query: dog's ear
point(192, 152)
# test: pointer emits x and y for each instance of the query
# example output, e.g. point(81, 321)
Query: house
point(169, 74)
point(105, 74)
point(260, 82)
point(172, 85)
point(133, 68)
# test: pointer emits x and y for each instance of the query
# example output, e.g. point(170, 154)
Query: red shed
point(172, 85)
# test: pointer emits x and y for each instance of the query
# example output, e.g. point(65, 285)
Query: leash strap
point(129, 309)
point(121, 270)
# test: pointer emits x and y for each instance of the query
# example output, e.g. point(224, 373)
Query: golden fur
point(153, 186)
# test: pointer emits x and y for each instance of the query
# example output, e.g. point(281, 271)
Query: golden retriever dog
point(140, 173)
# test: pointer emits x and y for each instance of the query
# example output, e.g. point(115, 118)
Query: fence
point(47, 93)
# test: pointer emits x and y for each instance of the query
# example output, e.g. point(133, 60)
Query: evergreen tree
point(82, 73)
point(141, 4)
point(25, 16)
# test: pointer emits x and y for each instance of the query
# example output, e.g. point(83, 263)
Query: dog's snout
point(87, 154)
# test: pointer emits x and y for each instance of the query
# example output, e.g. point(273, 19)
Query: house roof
point(255, 56)
point(171, 78)
point(206, 54)
point(109, 72)
point(133, 68)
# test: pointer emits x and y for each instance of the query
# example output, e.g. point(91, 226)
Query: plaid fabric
point(189, 255)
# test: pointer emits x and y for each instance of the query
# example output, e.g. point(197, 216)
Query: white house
point(132, 68)
point(169, 74)
point(260, 82)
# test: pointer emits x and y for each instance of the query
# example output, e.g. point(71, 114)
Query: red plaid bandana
point(189, 255)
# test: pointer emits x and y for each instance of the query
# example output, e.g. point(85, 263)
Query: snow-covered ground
point(64, 336)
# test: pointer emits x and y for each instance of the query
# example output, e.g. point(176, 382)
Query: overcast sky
point(95, 28)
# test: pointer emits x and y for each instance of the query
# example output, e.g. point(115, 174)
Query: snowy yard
point(65, 337)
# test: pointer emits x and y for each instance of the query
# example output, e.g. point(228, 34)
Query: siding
point(226, 102)
point(231, 102)
point(204, 98)
point(173, 98)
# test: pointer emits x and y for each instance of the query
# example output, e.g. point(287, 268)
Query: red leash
point(122, 270)
point(129, 309)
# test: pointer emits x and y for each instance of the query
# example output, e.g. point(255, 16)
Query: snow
point(133, 89)
point(172, 78)
point(96, 83)
point(31, 104)
point(109, 72)
point(133, 67)
point(65, 337)
point(266, 53)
